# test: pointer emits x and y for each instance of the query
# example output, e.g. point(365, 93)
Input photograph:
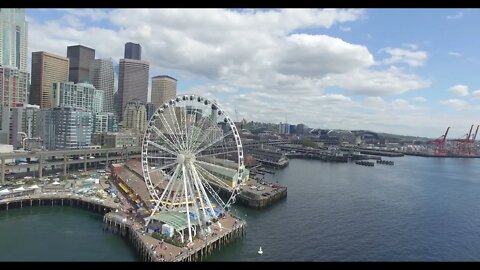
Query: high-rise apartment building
point(133, 51)
point(102, 77)
point(164, 88)
point(47, 69)
point(80, 95)
point(80, 59)
point(105, 122)
point(132, 82)
point(30, 120)
point(13, 87)
point(14, 78)
point(66, 128)
point(135, 116)
point(13, 38)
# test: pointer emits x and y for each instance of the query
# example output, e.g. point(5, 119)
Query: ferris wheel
point(191, 151)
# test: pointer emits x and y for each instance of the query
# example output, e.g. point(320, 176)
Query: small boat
point(260, 251)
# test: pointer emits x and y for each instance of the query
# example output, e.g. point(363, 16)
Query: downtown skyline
point(409, 72)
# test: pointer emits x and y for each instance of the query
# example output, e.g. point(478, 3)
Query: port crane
point(440, 143)
point(466, 146)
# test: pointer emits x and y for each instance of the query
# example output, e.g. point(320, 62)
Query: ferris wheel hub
point(180, 159)
point(185, 158)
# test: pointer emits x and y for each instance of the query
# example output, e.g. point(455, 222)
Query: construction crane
point(440, 149)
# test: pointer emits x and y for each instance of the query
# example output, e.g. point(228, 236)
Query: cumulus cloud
point(317, 55)
point(411, 57)
point(392, 81)
point(419, 99)
point(456, 16)
point(459, 90)
point(476, 94)
point(262, 62)
point(454, 103)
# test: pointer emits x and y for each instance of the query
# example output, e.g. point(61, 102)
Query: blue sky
point(405, 71)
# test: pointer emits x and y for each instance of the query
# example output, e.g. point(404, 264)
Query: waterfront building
point(47, 69)
point(66, 128)
point(116, 139)
point(18, 123)
point(80, 59)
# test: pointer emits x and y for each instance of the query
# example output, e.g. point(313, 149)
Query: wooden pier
point(152, 250)
point(125, 225)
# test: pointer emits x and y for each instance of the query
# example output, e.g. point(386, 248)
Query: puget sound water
point(421, 209)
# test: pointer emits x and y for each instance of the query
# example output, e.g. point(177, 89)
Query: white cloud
point(412, 57)
point(458, 15)
point(378, 83)
point(260, 62)
point(345, 28)
point(318, 55)
point(456, 54)
point(459, 90)
point(454, 103)
point(476, 94)
point(419, 99)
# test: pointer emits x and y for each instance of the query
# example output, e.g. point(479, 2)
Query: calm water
point(58, 234)
point(420, 209)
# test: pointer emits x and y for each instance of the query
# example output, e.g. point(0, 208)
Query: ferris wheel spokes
point(185, 154)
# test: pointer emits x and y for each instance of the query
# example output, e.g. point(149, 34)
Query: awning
point(124, 187)
point(5, 191)
point(19, 189)
point(175, 219)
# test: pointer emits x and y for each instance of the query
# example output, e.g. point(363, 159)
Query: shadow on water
point(58, 233)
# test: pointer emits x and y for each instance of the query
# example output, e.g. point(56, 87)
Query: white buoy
point(260, 251)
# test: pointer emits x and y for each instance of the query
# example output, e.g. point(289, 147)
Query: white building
point(80, 95)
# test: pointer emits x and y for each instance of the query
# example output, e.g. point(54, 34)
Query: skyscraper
point(47, 69)
point(133, 51)
point(164, 88)
point(13, 38)
point(80, 59)
point(132, 82)
point(102, 77)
